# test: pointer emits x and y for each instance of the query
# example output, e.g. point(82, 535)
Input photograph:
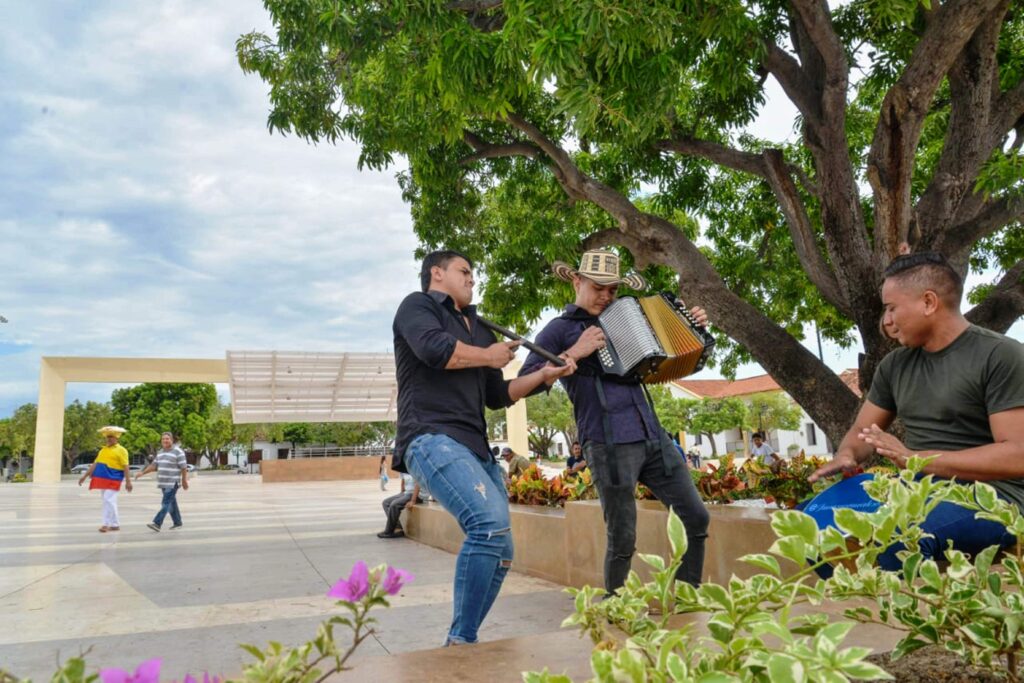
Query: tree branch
point(798, 88)
point(1004, 305)
point(479, 13)
point(890, 160)
point(718, 153)
point(814, 264)
point(1007, 114)
point(484, 150)
point(993, 216)
point(972, 78)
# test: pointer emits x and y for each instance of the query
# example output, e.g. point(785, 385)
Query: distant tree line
point(192, 412)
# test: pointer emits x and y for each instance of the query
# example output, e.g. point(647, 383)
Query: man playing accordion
point(623, 443)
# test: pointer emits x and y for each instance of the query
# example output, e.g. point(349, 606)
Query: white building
point(810, 437)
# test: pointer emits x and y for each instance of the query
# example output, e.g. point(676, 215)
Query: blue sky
point(146, 211)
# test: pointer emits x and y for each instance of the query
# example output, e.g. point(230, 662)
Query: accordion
point(653, 339)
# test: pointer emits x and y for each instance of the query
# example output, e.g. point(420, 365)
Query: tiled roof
point(721, 388)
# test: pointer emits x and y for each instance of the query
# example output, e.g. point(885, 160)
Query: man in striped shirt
point(170, 466)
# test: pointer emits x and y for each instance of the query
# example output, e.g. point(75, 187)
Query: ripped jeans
point(474, 493)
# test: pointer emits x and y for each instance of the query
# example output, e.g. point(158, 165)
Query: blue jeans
point(473, 491)
point(949, 522)
point(169, 504)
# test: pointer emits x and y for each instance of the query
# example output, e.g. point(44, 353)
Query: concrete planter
point(321, 469)
point(568, 546)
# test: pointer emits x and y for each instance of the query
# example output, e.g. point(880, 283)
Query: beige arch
point(55, 372)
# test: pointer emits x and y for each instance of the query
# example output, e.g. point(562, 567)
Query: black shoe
point(176, 526)
point(390, 534)
point(153, 526)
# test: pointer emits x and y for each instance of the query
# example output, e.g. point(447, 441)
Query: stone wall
point(322, 469)
point(567, 546)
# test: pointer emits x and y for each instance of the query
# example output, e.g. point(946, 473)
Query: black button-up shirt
point(432, 400)
point(630, 415)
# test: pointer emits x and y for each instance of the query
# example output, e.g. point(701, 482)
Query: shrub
point(752, 632)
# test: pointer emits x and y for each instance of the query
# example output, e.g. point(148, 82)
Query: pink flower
point(148, 672)
point(189, 678)
point(355, 587)
point(395, 579)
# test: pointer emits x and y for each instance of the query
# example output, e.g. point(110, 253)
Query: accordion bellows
point(652, 339)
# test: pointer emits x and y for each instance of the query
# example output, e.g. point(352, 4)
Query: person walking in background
point(383, 473)
point(409, 495)
point(106, 473)
point(171, 468)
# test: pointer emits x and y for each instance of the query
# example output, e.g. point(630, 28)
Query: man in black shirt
point(448, 368)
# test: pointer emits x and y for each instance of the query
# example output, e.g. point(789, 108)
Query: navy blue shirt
point(431, 399)
point(631, 416)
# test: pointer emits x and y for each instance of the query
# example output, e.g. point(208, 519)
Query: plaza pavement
point(251, 564)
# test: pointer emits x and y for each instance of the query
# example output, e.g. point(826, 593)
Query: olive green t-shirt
point(945, 398)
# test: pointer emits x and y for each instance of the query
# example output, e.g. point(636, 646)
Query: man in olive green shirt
point(517, 464)
point(959, 390)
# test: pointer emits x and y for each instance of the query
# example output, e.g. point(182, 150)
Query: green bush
point(752, 633)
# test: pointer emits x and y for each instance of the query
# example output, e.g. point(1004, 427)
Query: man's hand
point(843, 463)
point(552, 373)
point(887, 445)
point(128, 484)
point(701, 315)
point(80, 481)
point(412, 502)
point(184, 484)
point(591, 340)
point(501, 354)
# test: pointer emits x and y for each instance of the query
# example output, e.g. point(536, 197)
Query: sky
point(145, 210)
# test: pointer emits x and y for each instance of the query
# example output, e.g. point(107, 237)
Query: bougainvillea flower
point(207, 678)
point(354, 587)
point(394, 579)
point(147, 672)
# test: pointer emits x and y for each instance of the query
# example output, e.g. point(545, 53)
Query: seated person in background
point(763, 451)
point(517, 464)
point(576, 462)
point(959, 390)
point(409, 495)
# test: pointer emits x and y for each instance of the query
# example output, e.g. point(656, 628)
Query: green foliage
point(755, 630)
point(549, 413)
point(483, 104)
point(713, 415)
point(772, 410)
point(147, 410)
point(81, 428)
point(18, 432)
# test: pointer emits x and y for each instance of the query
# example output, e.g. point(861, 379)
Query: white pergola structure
point(266, 386)
point(299, 386)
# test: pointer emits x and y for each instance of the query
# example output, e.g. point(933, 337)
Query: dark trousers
point(169, 504)
point(642, 462)
point(393, 506)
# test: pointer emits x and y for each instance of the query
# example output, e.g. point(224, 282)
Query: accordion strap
point(668, 447)
point(609, 442)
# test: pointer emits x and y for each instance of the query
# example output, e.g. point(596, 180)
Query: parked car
point(80, 469)
point(136, 468)
point(190, 467)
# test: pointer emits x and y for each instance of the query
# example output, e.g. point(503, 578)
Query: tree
point(772, 410)
point(712, 415)
point(147, 410)
point(380, 435)
point(530, 128)
point(20, 431)
point(548, 413)
point(496, 424)
point(81, 428)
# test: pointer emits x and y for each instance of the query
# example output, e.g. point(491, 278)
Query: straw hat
point(602, 267)
point(111, 430)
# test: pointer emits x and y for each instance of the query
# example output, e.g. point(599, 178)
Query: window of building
point(812, 435)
